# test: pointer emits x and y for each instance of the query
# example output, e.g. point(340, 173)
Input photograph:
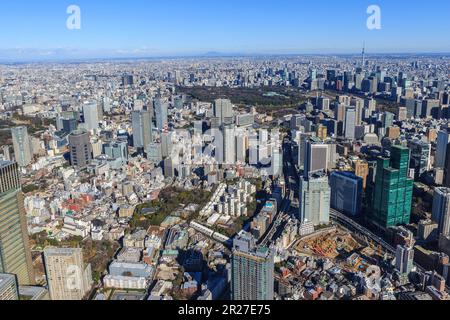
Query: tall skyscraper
point(314, 200)
point(404, 259)
point(22, 146)
point(166, 144)
point(142, 129)
point(277, 162)
point(316, 156)
point(80, 149)
point(8, 287)
point(68, 278)
point(161, 114)
point(229, 145)
point(223, 110)
point(90, 114)
point(420, 156)
point(441, 210)
point(241, 146)
point(350, 123)
point(346, 192)
point(442, 142)
point(15, 254)
point(391, 194)
point(252, 269)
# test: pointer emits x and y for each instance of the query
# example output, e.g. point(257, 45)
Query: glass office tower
point(392, 192)
point(15, 254)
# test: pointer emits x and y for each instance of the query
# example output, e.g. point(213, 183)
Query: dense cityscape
point(226, 178)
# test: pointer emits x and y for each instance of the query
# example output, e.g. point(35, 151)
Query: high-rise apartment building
point(91, 116)
point(404, 259)
point(68, 278)
point(390, 197)
point(161, 114)
point(142, 129)
point(22, 146)
point(241, 146)
point(252, 270)
point(15, 254)
point(80, 149)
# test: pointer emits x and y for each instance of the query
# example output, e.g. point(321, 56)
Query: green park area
point(169, 200)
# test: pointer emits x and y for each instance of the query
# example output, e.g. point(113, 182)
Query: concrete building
point(117, 152)
point(161, 114)
point(229, 145)
point(316, 156)
point(350, 123)
point(8, 287)
point(441, 210)
point(404, 259)
point(91, 115)
point(314, 200)
point(223, 111)
point(252, 270)
point(68, 278)
point(22, 147)
point(420, 157)
point(80, 149)
point(142, 129)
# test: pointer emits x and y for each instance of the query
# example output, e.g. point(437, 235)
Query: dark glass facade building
point(390, 197)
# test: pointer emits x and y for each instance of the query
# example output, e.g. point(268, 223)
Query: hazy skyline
point(138, 28)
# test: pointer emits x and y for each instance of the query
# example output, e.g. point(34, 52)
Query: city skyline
point(144, 30)
point(237, 151)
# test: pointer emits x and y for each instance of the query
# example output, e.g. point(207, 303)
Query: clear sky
point(185, 27)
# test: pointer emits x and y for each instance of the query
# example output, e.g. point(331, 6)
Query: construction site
point(342, 248)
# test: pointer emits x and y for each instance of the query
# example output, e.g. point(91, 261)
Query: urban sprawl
point(226, 178)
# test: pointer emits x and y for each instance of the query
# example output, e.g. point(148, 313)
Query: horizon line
point(211, 55)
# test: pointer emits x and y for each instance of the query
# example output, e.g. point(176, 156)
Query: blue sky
point(184, 27)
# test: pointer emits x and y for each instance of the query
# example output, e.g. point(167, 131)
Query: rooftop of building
point(6, 279)
point(5, 163)
point(61, 251)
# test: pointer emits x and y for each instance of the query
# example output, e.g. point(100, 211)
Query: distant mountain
point(223, 54)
